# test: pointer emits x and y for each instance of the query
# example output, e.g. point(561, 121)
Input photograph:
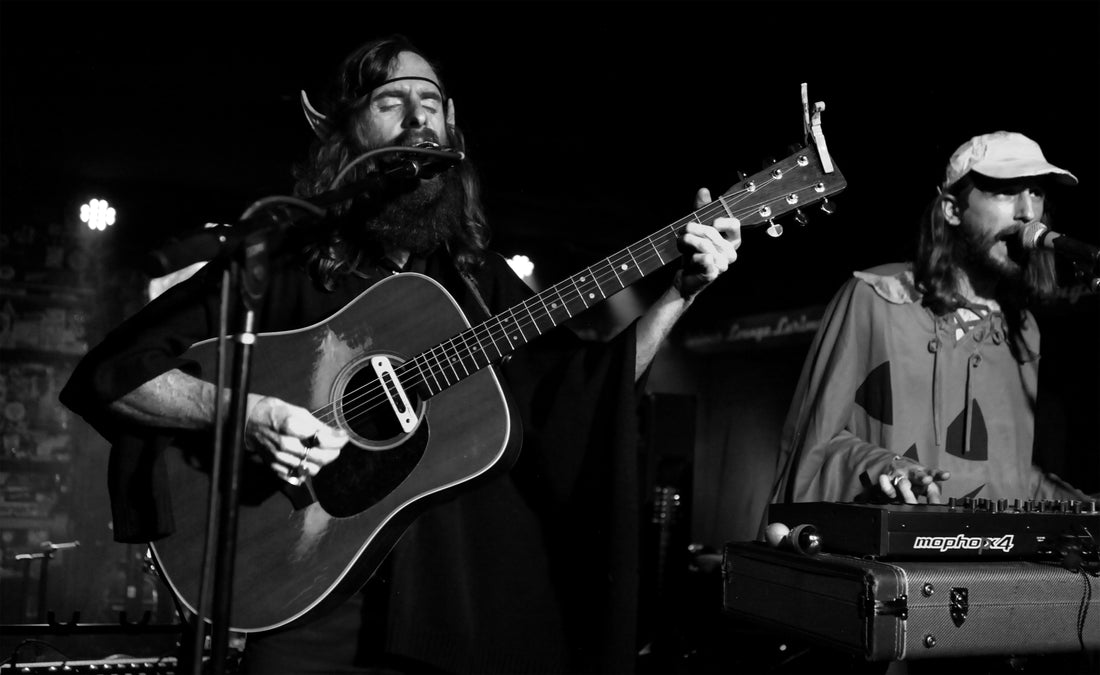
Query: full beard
point(1002, 257)
point(414, 215)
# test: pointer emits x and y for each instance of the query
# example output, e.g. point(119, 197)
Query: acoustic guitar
point(402, 370)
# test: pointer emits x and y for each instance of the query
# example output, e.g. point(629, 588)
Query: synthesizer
point(963, 528)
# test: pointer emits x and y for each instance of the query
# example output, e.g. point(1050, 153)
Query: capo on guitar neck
point(811, 125)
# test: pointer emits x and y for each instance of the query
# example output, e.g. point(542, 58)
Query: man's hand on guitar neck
point(289, 439)
point(707, 251)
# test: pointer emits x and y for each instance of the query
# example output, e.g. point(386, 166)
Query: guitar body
point(300, 549)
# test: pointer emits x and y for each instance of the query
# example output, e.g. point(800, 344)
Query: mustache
point(1015, 241)
point(1010, 234)
point(414, 137)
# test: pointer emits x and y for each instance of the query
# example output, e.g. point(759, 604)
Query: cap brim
point(1026, 169)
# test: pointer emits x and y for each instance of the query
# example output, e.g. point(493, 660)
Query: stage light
point(522, 266)
point(98, 214)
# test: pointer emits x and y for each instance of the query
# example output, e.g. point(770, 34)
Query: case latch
point(960, 605)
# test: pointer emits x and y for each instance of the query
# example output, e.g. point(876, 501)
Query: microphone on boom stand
point(424, 160)
point(403, 163)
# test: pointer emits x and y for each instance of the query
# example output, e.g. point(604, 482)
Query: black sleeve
point(147, 344)
point(144, 346)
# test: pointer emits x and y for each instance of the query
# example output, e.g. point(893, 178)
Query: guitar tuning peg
point(828, 207)
point(768, 162)
point(741, 175)
point(800, 217)
point(774, 228)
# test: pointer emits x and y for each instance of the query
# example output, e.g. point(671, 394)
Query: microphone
point(430, 159)
point(423, 160)
point(1037, 236)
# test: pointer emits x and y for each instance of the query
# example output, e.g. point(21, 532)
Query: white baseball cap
point(1003, 154)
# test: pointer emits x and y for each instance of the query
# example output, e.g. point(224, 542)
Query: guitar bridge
point(395, 393)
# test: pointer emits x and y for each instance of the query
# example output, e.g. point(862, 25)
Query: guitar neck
point(785, 186)
point(498, 336)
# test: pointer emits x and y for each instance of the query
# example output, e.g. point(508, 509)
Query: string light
point(98, 214)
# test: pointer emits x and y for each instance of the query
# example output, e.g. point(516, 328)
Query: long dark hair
point(940, 248)
point(339, 253)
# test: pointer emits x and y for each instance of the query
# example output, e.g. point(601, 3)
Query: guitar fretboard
point(488, 342)
point(783, 187)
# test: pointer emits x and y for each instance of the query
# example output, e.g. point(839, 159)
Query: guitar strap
point(471, 283)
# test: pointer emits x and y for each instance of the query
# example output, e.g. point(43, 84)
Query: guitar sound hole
point(367, 412)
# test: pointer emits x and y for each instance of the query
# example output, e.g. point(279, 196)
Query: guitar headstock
point(788, 185)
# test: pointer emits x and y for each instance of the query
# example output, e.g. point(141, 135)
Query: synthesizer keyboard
point(968, 528)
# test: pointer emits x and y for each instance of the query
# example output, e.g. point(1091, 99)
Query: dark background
point(592, 124)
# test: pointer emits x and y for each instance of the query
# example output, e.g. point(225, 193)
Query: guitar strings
point(363, 399)
point(541, 298)
point(449, 350)
point(620, 257)
point(451, 354)
point(356, 397)
point(455, 356)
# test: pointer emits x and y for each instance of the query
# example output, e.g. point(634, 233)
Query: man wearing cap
point(921, 381)
point(531, 570)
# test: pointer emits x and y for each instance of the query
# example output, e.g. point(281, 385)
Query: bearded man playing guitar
point(528, 565)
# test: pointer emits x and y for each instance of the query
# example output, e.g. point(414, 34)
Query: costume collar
point(893, 283)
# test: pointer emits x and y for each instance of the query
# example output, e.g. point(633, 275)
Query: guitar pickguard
point(359, 478)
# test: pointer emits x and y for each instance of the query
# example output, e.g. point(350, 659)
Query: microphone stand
point(214, 503)
point(246, 276)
